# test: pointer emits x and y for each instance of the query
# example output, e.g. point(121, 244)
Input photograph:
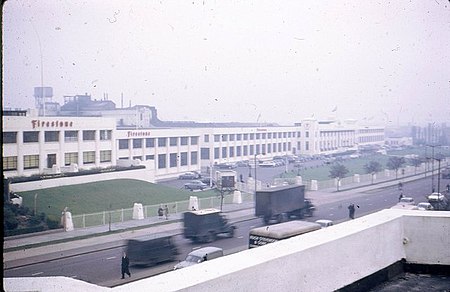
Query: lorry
point(279, 204)
point(151, 250)
point(205, 225)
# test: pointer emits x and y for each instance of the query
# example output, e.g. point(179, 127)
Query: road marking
point(110, 258)
point(331, 214)
point(38, 273)
point(75, 276)
point(240, 237)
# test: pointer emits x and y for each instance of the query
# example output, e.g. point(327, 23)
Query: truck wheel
point(210, 237)
point(282, 217)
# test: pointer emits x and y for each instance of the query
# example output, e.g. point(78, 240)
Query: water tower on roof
point(43, 100)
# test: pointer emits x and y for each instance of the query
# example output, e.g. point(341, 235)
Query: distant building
point(90, 133)
point(431, 134)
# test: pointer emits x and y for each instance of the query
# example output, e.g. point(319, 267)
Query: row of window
point(251, 136)
point(336, 134)
point(32, 161)
point(371, 139)
point(53, 136)
point(245, 150)
point(367, 131)
point(162, 142)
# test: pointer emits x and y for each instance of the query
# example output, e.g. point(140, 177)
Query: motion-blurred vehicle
point(151, 250)
point(205, 225)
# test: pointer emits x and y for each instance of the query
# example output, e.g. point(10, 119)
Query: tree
point(416, 162)
point(372, 167)
point(338, 171)
point(395, 163)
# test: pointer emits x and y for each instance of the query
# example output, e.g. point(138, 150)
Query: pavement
point(44, 246)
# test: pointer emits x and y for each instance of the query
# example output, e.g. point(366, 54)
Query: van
point(200, 255)
point(151, 250)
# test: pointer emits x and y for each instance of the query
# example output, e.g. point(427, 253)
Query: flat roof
point(285, 230)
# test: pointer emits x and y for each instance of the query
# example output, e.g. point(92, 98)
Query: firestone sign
point(138, 133)
point(51, 124)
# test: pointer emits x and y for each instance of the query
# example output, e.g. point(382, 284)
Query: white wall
point(138, 174)
point(323, 260)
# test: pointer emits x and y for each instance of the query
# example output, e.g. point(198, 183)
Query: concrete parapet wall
point(138, 174)
point(323, 260)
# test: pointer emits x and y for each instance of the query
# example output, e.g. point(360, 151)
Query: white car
point(424, 206)
point(436, 197)
point(407, 201)
point(324, 223)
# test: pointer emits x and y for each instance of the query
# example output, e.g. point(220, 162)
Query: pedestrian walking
point(351, 211)
point(401, 196)
point(400, 186)
point(166, 212)
point(125, 266)
point(448, 188)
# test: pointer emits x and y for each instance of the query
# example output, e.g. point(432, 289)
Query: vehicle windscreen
point(193, 259)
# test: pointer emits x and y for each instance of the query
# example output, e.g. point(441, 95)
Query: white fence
point(116, 216)
point(247, 191)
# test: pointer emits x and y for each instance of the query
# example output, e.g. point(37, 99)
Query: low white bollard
point(356, 178)
point(138, 211)
point(237, 197)
point(67, 221)
point(314, 186)
point(298, 180)
point(193, 203)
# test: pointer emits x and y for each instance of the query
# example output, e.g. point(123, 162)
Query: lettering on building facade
point(51, 124)
point(138, 133)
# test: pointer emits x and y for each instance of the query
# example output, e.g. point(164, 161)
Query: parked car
point(407, 201)
point(226, 165)
point(208, 181)
point(267, 164)
point(424, 206)
point(195, 185)
point(436, 197)
point(242, 164)
point(189, 175)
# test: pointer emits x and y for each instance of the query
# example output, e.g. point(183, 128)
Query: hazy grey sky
point(236, 60)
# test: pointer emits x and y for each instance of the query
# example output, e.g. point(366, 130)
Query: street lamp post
point(255, 173)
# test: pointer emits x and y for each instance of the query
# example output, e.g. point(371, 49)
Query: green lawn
point(97, 196)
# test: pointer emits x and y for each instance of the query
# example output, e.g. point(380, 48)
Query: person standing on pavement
point(125, 266)
point(351, 211)
point(166, 212)
point(160, 212)
point(401, 196)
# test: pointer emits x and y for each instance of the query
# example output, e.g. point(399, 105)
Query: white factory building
point(35, 144)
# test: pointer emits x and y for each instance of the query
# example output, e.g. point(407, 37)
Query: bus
point(267, 234)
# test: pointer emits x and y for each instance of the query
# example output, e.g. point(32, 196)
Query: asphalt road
point(103, 267)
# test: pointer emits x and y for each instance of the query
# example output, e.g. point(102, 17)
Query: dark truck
point(151, 250)
point(205, 225)
point(279, 204)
